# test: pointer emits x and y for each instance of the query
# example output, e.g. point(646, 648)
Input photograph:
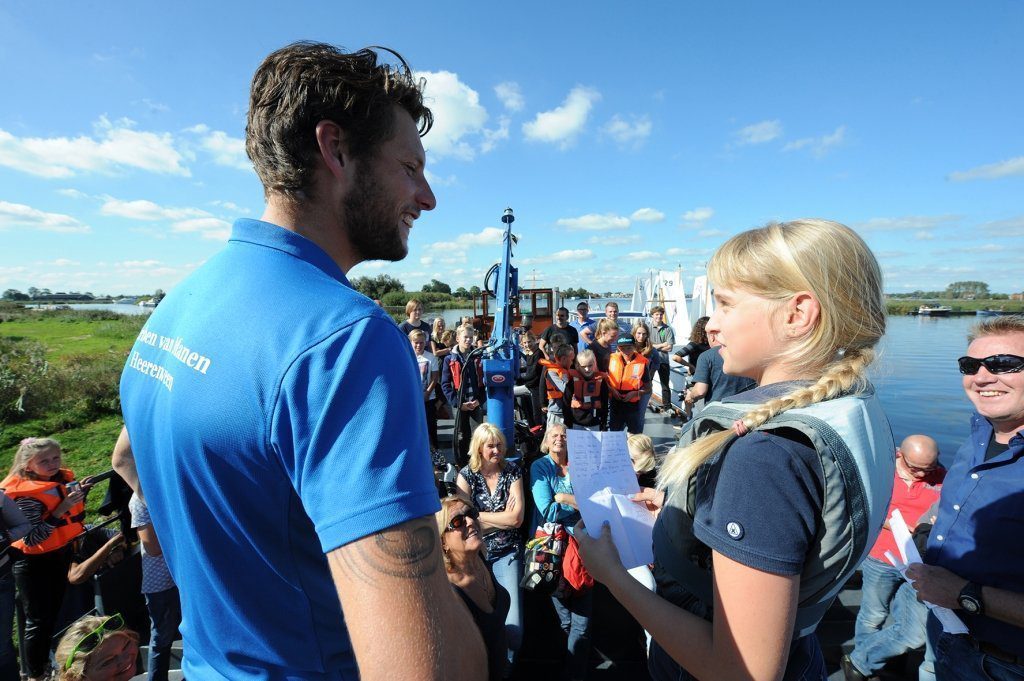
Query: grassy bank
point(59, 376)
point(904, 306)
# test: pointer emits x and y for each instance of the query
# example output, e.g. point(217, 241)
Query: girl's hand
point(652, 499)
point(599, 554)
point(69, 502)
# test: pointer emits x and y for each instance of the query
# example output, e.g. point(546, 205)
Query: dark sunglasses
point(996, 364)
point(459, 521)
point(90, 641)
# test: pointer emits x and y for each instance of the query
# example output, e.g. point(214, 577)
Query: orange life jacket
point(457, 369)
point(555, 378)
point(50, 494)
point(587, 391)
point(627, 376)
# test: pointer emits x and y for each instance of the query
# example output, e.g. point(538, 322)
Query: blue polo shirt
point(582, 345)
point(721, 385)
point(979, 531)
point(275, 415)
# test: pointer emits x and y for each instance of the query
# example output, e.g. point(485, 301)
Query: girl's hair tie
point(739, 427)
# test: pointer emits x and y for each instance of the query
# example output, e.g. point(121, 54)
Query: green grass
point(73, 334)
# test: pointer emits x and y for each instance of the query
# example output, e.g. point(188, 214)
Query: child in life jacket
point(589, 393)
point(627, 381)
point(558, 382)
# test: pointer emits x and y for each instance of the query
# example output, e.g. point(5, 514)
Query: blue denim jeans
point(574, 616)
point(165, 617)
point(625, 416)
point(957, 660)
point(905, 632)
point(881, 581)
point(8, 658)
point(508, 570)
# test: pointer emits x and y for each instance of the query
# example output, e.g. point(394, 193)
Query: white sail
point(699, 302)
point(639, 300)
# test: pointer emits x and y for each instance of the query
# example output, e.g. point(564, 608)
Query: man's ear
point(334, 154)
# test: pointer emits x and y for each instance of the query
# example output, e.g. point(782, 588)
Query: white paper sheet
point(951, 624)
point(602, 480)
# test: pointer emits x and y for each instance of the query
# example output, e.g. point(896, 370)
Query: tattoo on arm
point(408, 551)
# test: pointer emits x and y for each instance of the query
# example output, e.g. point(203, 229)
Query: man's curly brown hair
point(304, 83)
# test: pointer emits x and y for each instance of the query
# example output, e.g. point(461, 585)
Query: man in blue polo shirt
point(275, 413)
point(975, 558)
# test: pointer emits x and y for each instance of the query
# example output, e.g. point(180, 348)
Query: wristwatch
point(970, 599)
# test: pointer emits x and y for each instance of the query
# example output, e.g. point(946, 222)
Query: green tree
point(967, 289)
point(33, 292)
point(436, 286)
point(14, 294)
point(474, 290)
point(377, 287)
point(461, 292)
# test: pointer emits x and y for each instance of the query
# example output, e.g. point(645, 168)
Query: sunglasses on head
point(90, 641)
point(996, 364)
point(459, 521)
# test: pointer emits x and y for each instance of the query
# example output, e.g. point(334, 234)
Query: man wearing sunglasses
point(975, 558)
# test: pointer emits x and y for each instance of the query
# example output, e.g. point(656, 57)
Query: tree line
point(378, 288)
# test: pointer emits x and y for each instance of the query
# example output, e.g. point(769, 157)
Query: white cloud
point(561, 256)
point(698, 216)
point(759, 133)
point(562, 124)
point(606, 240)
point(233, 207)
point(643, 255)
point(510, 95)
point(1010, 227)
point(14, 215)
point(710, 232)
point(819, 146)
point(924, 235)
point(208, 228)
point(594, 222)
point(676, 252)
point(458, 114)
point(907, 222)
point(492, 137)
point(991, 171)
point(65, 262)
point(226, 150)
point(628, 133)
point(72, 193)
point(147, 210)
point(115, 146)
point(647, 215)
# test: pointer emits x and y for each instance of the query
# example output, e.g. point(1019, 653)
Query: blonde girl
point(97, 649)
point(775, 495)
point(641, 455)
point(54, 504)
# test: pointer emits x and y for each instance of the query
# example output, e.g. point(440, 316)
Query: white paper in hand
point(951, 624)
point(629, 522)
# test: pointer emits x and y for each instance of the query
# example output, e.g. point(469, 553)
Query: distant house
point(1017, 296)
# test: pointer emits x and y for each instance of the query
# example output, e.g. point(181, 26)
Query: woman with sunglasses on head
point(775, 495)
point(556, 503)
point(496, 487)
point(469, 574)
point(54, 503)
point(97, 648)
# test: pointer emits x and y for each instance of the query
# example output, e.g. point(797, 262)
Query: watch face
point(969, 604)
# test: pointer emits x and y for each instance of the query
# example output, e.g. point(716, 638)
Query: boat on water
point(934, 310)
point(990, 313)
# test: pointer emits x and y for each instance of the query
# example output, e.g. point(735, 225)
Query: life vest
point(627, 376)
point(50, 494)
point(587, 391)
point(854, 443)
point(556, 378)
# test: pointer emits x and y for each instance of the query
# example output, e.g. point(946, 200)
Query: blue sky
point(624, 137)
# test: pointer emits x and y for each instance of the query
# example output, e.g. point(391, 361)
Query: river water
point(916, 374)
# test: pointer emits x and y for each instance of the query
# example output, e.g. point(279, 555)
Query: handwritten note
point(602, 480)
point(951, 624)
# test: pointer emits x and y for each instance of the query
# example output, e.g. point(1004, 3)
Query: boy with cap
point(627, 382)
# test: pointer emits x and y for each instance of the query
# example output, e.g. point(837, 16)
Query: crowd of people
point(290, 484)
